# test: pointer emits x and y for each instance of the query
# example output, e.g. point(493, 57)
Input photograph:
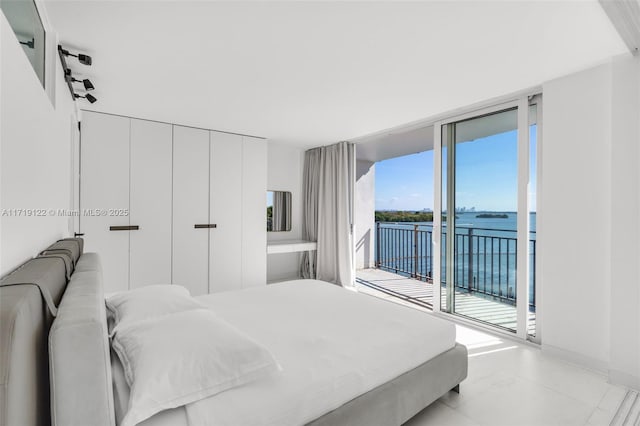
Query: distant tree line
point(404, 216)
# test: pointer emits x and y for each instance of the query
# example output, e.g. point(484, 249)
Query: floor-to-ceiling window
point(486, 171)
point(475, 256)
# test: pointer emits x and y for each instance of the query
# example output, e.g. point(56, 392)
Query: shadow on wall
point(364, 245)
point(365, 213)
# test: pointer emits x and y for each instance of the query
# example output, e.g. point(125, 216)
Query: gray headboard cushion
point(71, 247)
point(24, 372)
point(80, 366)
point(89, 262)
point(78, 241)
point(64, 257)
point(29, 299)
point(48, 274)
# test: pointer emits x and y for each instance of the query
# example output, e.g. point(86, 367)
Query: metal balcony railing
point(485, 260)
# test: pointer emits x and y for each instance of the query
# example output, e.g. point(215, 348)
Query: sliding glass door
point(487, 231)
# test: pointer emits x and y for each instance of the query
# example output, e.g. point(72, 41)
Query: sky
point(486, 175)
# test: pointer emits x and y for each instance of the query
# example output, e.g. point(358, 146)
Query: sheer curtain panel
point(328, 185)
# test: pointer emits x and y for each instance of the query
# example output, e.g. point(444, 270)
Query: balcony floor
point(416, 293)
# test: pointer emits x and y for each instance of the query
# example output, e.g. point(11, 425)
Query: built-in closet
point(163, 204)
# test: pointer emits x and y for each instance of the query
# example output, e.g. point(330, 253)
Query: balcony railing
point(485, 260)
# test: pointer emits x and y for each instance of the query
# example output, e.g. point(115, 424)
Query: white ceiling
point(314, 73)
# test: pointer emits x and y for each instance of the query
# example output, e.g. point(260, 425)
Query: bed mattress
point(343, 344)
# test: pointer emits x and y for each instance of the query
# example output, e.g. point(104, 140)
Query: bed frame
point(52, 309)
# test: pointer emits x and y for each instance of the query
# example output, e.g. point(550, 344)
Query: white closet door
point(225, 247)
point(104, 188)
point(190, 208)
point(254, 201)
point(150, 203)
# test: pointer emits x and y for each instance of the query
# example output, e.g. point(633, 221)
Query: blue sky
point(486, 176)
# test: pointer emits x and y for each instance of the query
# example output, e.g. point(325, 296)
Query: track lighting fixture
point(88, 97)
point(86, 82)
point(68, 77)
point(82, 58)
point(31, 44)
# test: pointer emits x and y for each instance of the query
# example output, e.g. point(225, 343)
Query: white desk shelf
point(290, 246)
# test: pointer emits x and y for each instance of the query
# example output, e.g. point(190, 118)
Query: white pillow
point(147, 302)
point(175, 359)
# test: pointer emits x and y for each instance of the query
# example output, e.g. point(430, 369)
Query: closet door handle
point(124, 228)
point(205, 225)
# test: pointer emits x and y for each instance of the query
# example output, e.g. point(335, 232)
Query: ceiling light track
point(68, 76)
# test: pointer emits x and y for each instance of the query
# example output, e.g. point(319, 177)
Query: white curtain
point(328, 185)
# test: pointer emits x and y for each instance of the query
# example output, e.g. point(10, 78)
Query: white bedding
point(333, 345)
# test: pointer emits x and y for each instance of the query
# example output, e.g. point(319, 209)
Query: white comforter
point(333, 345)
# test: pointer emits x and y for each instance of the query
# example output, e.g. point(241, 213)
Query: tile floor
point(515, 384)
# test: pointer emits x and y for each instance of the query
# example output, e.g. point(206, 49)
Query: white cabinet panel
point(171, 178)
point(191, 207)
point(104, 187)
point(150, 203)
point(225, 247)
point(254, 201)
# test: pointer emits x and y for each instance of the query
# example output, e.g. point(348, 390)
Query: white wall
point(575, 215)
point(625, 223)
point(284, 173)
point(35, 155)
point(365, 206)
point(589, 213)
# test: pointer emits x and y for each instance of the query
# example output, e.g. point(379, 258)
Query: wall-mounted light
point(86, 82)
point(88, 85)
point(88, 97)
point(82, 58)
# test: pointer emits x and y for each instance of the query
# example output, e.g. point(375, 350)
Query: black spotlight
point(88, 85)
point(86, 82)
point(88, 97)
point(83, 59)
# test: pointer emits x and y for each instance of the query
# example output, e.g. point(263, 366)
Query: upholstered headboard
point(49, 292)
point(81, 386)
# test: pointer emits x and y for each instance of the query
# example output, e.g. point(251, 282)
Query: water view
point(485, 251)
point(478, 174)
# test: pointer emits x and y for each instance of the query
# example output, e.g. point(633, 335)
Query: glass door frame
point(522, 104)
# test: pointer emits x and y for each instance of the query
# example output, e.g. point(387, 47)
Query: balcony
point(484, 263)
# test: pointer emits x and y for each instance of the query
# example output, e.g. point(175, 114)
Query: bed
point(344, 358)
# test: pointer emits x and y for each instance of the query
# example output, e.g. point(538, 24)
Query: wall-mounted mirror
point(278, 211)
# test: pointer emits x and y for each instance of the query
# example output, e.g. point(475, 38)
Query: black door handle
point(124, 228)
